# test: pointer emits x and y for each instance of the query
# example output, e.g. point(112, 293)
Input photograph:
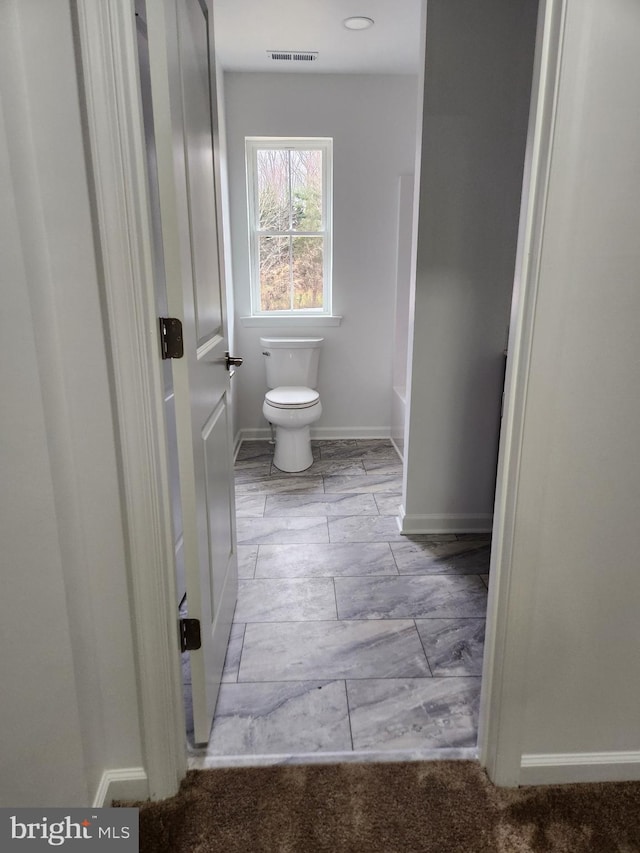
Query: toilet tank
point(291, 361)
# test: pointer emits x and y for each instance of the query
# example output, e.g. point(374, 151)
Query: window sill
point(287, 321)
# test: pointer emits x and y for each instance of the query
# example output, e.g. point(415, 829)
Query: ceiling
point(246, 29)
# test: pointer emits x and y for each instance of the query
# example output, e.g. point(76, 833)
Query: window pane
point(273, 189)
point(307, 272)
point(275, 274)
point(306, 190)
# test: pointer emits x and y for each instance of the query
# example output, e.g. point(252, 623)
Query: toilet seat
point(292, 397)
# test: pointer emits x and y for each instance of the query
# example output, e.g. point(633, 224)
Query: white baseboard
point(323, 433)
point(127, 783)
point(398, 445)
point(237, 441)
point(258, 434)
point(564, 768)
point(410, 524)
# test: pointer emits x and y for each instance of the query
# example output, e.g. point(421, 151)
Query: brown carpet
point(426, 807)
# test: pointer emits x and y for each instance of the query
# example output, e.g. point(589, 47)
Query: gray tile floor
point(349, 639)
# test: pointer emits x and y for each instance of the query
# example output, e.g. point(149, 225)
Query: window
point(289, 205)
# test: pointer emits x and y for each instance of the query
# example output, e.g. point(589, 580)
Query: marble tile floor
point(350, 641)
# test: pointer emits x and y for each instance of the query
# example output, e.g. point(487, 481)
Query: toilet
point(292, 403)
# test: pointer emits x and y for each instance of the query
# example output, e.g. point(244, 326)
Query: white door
point(184, 118)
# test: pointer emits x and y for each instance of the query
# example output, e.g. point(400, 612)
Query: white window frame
point(324, 144)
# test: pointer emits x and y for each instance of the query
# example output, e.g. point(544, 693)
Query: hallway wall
point(70, 707)
point(578, 499)
point(372, 119)
point(37, 663)
point(479, 60)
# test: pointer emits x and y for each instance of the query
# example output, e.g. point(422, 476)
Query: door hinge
point(171, 342)
point(190, 639)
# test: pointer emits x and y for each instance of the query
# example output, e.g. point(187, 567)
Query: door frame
point(108, 73)
point(109, 81)
point(511, 591)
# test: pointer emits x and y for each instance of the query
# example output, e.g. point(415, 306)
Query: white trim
point(397, 448)
point(321, 433)
point(500, 734)
point(291, 322)
point(127, 783)
point(210, 762)
point(445, 523)
point(563, 768)
point(107, 37)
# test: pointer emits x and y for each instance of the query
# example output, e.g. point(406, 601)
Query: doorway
point(157, 672)
point(457, 557)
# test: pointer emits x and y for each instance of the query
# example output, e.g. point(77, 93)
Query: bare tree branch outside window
point(290, 239)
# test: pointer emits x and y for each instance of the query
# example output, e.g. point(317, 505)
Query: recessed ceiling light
point(358, 23)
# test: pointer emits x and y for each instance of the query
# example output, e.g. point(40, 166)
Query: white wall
point(403, 313)
point(372, 120)
point(69, 706)
point(479, 59)
point(578, 501)
point(36, 664)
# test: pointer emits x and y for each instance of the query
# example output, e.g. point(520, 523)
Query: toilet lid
point(292, 397)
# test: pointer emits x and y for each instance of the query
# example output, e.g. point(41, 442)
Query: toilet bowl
point(292, 410)
point(292, 403)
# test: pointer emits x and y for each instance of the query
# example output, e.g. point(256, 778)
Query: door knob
point(233, 361)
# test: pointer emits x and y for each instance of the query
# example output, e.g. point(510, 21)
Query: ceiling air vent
point(293, 55)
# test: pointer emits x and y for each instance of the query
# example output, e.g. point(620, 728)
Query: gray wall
point(578, 500)
point(69, 710)
point(372, 120)
point(479, 59)
point(37, 662)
